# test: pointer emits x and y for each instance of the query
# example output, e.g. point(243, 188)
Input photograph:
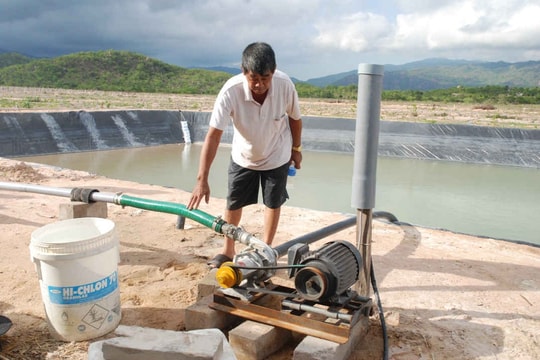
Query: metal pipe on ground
point(321, 233)
point(88, 195)
point(94, 195)
point(307, 239)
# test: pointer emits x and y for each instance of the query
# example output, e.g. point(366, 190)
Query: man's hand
point(296, 158)
point(201, 190)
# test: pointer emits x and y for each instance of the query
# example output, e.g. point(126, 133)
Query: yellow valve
point(228, 276)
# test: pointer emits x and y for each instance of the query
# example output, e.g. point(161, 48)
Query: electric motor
point(328, 272)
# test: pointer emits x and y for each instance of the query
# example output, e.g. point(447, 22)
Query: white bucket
point(77, 265)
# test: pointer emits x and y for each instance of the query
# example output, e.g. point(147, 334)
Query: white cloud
point(357, 32)
point(466, 28)
point(311, 37)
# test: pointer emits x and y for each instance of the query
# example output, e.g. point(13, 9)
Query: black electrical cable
point(277, 267)
point(381, 313)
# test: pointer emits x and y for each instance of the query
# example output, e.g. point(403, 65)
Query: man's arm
point(296, 132)
point(208, 153)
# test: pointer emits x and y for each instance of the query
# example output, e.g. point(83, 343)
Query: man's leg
point(274, 186)
point(271, 221)
point(232, 217)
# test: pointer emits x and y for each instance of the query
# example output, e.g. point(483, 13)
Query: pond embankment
point(36, 133)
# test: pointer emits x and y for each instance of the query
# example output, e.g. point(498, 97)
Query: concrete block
point(153, 344)
point(312, 348)
point(207, 285)
point(252, 340)
point(201, 316)
point(76, 210)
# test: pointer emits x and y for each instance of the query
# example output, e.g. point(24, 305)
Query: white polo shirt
point(262, 138)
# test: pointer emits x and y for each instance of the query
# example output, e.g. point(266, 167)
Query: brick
point(139, 343)
point(312, 348)
point(207, 285)
point(201, 316)
point(255, 341)
point(76, 210)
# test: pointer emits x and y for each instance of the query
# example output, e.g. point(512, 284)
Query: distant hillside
point(112, 70)
point(8, 59)
point(234, 71)
point(229, 70)
point(127, 71)
point(443, 73)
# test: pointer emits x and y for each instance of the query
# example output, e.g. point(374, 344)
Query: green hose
point(212, 222)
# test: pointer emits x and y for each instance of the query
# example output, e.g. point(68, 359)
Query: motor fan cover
point(328, 272)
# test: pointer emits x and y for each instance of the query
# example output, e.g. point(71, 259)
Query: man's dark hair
point(258, 58)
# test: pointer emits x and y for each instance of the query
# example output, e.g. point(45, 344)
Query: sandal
point(218, 260)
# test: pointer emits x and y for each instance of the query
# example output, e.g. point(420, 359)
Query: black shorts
point(244, 186)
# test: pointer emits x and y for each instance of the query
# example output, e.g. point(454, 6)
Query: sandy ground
point(445, 295)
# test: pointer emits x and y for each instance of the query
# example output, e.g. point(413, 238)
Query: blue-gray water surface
point(485, 200)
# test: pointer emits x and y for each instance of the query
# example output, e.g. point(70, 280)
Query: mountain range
point(439, 73)
point(428, 74)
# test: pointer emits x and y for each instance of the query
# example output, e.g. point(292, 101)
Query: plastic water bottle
point(292, 170)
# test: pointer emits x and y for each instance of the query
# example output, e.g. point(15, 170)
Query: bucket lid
point(73, 237)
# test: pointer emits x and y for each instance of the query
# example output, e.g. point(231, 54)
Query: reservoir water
point(487, 200)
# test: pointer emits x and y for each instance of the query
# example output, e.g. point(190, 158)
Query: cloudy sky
point(312, 38)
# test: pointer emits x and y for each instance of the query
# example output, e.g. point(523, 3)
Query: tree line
point(490, 94)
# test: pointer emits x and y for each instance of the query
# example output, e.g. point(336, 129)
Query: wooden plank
point(338, 333)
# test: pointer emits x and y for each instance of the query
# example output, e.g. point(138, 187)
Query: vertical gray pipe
point(365, 163)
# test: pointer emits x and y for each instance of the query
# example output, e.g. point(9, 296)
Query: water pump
point(324, 275)
point(328, 273)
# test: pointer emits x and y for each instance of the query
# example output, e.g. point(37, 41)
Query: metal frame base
point(302, 321)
